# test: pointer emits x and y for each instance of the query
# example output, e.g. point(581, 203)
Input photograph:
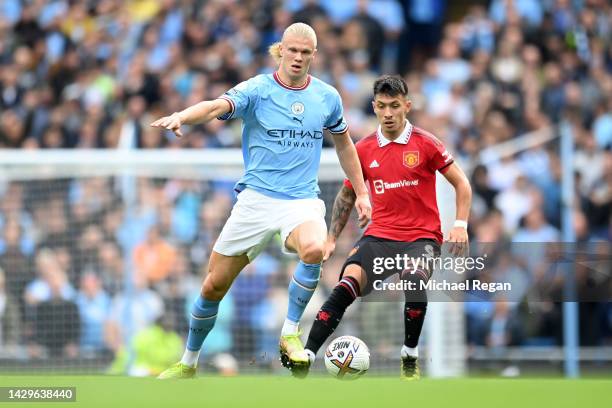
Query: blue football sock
point(301, 289)
point(201, 322)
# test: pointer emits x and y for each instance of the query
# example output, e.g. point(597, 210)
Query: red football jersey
point(401, 176)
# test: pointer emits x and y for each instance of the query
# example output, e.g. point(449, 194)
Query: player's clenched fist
point(172, 122)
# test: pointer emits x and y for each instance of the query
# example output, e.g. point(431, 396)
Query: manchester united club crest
point(411, 159)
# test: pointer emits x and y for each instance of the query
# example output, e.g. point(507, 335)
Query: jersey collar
point(401, 139)
point(293, 88)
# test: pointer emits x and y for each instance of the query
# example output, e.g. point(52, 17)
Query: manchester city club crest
point(411, 159)
point(297, 108)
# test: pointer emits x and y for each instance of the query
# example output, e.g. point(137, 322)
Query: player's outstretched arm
point(463, 192)
point(343, 205)
point(201, 112)
point(349, 160)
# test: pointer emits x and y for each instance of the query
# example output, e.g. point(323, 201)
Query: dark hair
point(391, 85)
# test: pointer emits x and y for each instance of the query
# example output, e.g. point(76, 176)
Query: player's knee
point(418, 293)
point(358, 274)
point(213, 289)
point(312, 253)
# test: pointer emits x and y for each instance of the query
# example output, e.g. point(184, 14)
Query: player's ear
point(408, 105)
point(374, 105)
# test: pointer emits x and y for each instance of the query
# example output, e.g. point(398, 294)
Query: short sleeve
point(441, 159)
point(240, 98)
point(335, 122)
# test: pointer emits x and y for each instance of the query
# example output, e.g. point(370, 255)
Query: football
point(347, 358)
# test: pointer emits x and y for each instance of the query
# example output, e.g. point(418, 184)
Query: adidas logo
point(374, 164)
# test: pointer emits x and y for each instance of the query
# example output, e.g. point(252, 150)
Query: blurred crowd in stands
point(94, 74)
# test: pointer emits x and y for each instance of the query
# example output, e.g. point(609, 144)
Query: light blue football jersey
point(282, 133)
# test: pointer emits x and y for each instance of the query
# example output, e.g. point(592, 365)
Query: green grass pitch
point(321, 392)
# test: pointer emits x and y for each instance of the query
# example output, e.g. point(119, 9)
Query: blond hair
point(298, 29)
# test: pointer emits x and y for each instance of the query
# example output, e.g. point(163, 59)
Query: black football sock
point(330, 314)
point(414, 316)
point(415, 306)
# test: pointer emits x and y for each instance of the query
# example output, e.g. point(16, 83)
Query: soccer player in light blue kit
point(284, 116)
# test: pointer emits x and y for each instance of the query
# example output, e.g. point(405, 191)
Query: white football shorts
point(256, 218)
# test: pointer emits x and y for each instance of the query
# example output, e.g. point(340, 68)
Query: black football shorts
point(382, 258)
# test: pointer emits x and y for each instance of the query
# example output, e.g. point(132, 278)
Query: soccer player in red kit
point(399, 162)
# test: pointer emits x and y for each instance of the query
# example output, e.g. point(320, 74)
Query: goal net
point(103, 252)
